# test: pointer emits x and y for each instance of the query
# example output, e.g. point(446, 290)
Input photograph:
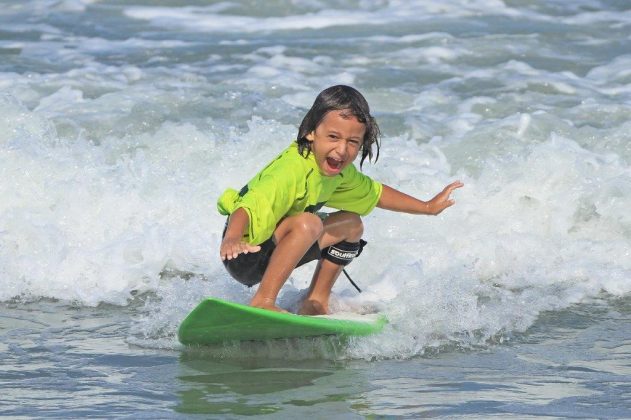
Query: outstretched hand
point(231, 248)
point(442, 200)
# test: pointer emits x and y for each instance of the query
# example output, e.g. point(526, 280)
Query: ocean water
point(122, 121)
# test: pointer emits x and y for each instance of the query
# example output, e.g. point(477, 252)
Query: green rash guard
point(292, 184)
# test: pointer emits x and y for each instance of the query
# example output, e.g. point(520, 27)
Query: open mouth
point(334, 163)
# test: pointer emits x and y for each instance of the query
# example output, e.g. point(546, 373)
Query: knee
point(309, 225)
point(355, 227)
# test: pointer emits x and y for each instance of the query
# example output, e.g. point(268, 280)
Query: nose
point(341, 148)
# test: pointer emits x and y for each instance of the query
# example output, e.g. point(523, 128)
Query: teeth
point(334, 162)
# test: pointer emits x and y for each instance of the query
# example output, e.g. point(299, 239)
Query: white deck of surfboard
point(351, 316)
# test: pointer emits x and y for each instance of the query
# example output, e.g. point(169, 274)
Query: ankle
point(266, 303)
point(313, 307)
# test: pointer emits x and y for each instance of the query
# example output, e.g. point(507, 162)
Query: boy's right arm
point(233, 243)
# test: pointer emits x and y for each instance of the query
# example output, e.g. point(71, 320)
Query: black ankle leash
point(351, 280)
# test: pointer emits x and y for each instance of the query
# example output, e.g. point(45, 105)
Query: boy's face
point(336, 141)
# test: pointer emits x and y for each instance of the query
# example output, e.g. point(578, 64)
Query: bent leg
point(293, 236)
point(338, 227)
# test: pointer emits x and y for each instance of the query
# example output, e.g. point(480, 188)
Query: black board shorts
point(248, 268)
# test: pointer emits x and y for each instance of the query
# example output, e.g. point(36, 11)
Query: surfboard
point(215, 321)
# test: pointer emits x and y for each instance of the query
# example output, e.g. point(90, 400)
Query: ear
point(310, 136)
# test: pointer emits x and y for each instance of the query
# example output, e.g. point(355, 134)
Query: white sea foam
point(94, 223)
point(368, 13)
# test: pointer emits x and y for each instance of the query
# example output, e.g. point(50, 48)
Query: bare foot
point(266, 303)
point(312, 307)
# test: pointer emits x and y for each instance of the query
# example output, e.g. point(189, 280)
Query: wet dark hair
point(340, 98)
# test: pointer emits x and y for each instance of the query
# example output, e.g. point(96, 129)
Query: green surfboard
point(215, 321)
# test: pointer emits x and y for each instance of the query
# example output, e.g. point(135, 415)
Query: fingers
point(232, 250)
point(254, 248)
point(456, 184)
point(443, 199)
point(230, 253)
point(449, 189)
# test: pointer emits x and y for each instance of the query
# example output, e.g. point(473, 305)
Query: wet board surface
point(215, 321)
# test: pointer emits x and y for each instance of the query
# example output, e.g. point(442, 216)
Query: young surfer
point(273, 224)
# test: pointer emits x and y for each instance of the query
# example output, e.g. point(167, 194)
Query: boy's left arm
point(395, 200)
